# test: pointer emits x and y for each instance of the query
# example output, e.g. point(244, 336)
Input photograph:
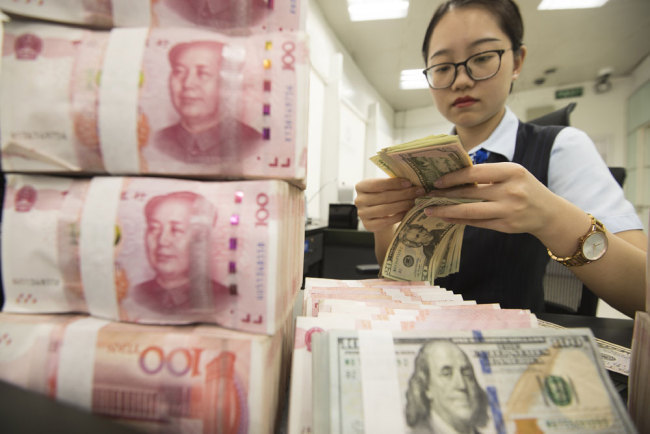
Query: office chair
point(563, 292)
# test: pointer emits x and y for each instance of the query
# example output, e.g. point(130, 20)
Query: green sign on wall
point(571, 92)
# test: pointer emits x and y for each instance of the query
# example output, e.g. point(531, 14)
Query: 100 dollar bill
point(505, 381)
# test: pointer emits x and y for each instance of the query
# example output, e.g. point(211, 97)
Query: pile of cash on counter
point(408, 357)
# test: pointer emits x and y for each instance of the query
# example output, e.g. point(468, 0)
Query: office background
point(349, 120)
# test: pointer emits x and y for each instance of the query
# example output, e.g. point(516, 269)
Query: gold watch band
point(578, 257)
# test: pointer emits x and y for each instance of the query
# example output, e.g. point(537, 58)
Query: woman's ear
point(519, 57)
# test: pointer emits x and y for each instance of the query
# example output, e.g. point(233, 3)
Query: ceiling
point(576, 43)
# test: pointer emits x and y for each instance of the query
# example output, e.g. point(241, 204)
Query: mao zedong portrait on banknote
point(177, 247)
point(222, 14)
point(204, 132)
point(443, 393)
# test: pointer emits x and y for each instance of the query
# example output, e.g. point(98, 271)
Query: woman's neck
point(477, 134)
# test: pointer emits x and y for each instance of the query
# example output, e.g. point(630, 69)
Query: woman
point(536, 189)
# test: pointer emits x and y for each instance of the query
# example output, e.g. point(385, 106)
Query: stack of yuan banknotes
point(424, 247)
point(206, 88)
point(383, 356)
point(154, 156)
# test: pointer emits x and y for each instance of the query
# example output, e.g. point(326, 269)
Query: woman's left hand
point(513, 200)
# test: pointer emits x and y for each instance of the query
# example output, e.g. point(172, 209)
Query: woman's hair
point(505, 11)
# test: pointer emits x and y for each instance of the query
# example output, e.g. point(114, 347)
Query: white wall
point(347, 120)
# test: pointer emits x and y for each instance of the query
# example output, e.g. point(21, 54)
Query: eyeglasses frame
point(467, 70)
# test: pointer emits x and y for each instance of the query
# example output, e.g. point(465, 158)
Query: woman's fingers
point(377, 224)
point(378, 185)
point(481, 174)
point(373, 192)
point(384, 210)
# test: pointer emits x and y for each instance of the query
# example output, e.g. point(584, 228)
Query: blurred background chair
point(563, 292)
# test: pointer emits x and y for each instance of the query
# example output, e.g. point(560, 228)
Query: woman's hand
point(513, 200)
point(382, 202)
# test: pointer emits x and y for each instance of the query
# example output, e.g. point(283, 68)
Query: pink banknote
point(164, 101)
point(235, 16)
point(159, 379)
point(154, 250)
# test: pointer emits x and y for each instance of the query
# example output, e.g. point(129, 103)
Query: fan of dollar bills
point(424, 247)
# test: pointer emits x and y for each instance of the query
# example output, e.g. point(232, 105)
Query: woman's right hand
point(382, 202)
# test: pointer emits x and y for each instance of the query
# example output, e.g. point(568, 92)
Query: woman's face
point(461, 33)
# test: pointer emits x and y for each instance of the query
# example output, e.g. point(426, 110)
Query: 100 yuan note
point(242, 16)
point(504, 381)
point(126, 101)
point(153, 250)
point(159, 379)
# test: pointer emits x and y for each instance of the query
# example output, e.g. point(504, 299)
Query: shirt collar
point(503, 139)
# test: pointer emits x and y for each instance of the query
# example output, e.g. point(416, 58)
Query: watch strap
point(578, 258)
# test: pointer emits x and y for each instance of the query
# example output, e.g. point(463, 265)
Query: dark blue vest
point(507, 268)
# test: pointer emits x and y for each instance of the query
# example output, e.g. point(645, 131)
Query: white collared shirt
point(576, 172)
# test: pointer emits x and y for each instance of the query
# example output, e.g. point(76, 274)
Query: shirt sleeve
point(578, 173)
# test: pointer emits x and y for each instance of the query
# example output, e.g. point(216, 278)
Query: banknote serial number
point(33, 281)
point(38, 135)
point(260, 268)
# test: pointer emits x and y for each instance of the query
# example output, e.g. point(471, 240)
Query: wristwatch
point(591, 246)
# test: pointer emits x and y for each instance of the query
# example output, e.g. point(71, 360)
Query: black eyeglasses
point(479, 66)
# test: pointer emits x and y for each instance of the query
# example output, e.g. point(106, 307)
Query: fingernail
point(419, 191)
point(406, 183)
point(437, 183)
point(428, 211)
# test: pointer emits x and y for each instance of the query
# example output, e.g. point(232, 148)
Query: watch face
point(595, 246)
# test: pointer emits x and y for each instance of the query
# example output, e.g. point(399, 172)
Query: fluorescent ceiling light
point(412, 79)
point(368, 10)
point(570, 4)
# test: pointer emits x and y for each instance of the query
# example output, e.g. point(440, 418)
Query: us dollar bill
point(424, 247)
point(423, 161)
point(499, 381)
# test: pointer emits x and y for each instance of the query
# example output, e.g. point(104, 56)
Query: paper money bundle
point(222, 15)
point(379, 304)
point(639, 384)
point(493, 381)
point(424, 247)
point(175, 101)
point(153, 250)
point(159, 379)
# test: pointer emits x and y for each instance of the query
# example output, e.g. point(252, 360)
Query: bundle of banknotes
point(163, 379)
point(173, 293)
point(153, 250)
point(234, 16)
point(638, 400)
point(639, 386)
point(524, 369)
point(161, 101)
point(424, 247)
